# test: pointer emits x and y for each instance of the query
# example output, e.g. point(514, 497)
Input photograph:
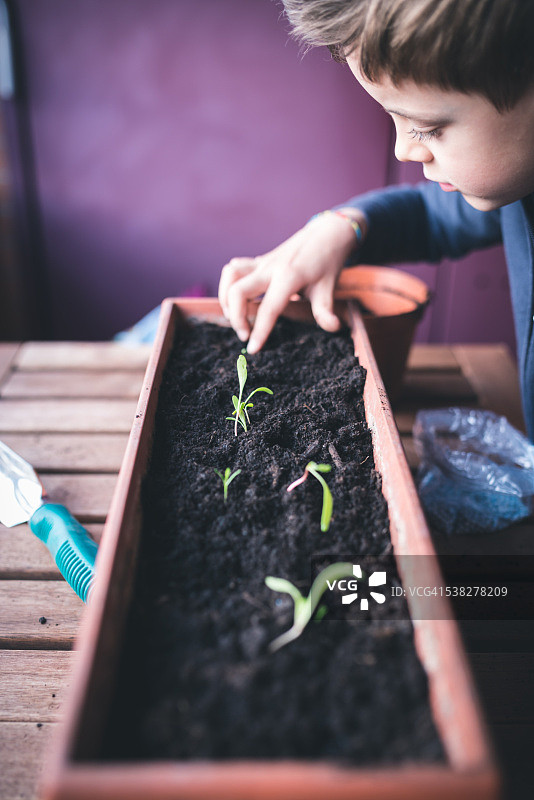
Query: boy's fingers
point(238, 294)
point(232, 272)
point(270, 308)
point(322, 306)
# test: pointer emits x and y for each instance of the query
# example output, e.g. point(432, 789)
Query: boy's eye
point(424, 136)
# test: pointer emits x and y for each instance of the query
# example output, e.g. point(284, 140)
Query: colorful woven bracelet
point(352, 222)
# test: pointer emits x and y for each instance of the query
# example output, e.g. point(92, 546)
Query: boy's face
point(462, 141)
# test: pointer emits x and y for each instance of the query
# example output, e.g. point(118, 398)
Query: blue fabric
point(424, 223)
point(143, 332)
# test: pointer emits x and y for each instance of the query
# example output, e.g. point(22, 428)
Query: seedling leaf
point(227, 478)
point(282, 585)
point(240, 407)
point(241, 373)
point(328, 501)
point(305, 606)
point(328, 506)
point(261, 389)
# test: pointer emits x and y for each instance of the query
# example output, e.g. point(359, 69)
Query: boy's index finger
point(275, 300)
point(232, 272)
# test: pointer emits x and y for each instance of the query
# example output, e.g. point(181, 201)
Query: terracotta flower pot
point(392, 303)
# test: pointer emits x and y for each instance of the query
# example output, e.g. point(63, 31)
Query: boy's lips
point(447, 187)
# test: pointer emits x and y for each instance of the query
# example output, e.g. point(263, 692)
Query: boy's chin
point(482, 203)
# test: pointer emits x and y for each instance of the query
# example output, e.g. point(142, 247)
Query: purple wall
point(171, 135)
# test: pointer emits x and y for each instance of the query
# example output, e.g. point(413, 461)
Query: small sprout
point(240, 413)
point(305, 606)
point(227, 479)
point(328, 502)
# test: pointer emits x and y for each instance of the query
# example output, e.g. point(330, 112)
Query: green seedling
point(328, 502)
point(227, 479)
point(240, 413)
point(305, 606)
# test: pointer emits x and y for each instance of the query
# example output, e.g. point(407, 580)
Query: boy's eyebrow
point(415, 118)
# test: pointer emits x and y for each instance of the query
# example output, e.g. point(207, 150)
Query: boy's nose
point(408, 149)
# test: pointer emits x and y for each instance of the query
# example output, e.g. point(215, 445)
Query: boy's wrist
point(357, 216)
point(351, 217)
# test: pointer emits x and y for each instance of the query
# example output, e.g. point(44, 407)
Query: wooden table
point(68, 407)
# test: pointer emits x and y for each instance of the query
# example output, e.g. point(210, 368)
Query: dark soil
point(197, 679)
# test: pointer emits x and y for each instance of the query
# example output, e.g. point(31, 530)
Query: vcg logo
point(351, 585)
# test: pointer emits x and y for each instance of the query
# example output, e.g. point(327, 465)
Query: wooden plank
point(489, 380)
point(24, 557)
point(436, 388)
point(24, 603)
point(73, 416)
point(409, 450)
point(493, 375)
point(515, 745)
point(516, 540)
point(82, 355)
point(505, 685)
point(75, 383)
point(404, 419)
point(87, 497)
point(497, 635)
point(432, 357)
point(23, 747)
point(8, 352)
point(69, 452)
point(34, 684)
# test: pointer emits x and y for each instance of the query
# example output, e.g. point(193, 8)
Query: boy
point(457, 77)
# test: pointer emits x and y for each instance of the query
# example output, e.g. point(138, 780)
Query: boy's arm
point(419, 223)
point(422, 223)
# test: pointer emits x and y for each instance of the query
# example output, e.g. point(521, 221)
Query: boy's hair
point(481, 46)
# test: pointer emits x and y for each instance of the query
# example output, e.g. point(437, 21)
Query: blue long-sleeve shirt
point(423, 223)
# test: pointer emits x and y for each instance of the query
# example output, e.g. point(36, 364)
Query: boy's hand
point(309, 262)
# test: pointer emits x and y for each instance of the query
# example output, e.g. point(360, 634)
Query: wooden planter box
point(74, 770)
